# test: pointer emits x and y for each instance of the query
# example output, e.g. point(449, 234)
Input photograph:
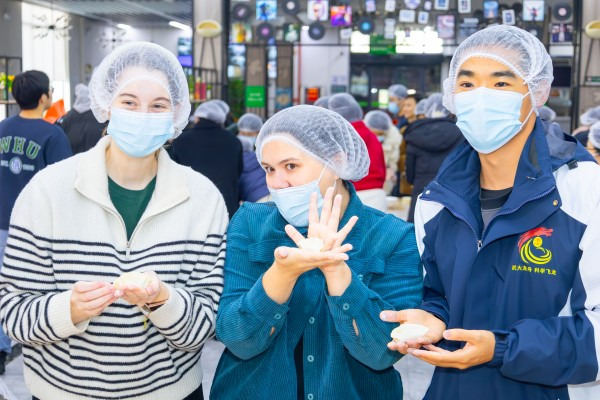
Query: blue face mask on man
point(140, 134)
point(393, 108)
point(294, 202)
point(489, 118)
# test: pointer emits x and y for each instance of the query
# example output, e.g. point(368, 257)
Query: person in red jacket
point(370, 188)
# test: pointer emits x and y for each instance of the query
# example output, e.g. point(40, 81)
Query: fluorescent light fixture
point(179, 25)
point(124, 27)
point(410, 92)
point(305, 27)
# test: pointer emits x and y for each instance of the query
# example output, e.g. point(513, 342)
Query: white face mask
point(489, 118)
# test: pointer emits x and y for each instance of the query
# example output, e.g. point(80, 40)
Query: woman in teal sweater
point(304, 324)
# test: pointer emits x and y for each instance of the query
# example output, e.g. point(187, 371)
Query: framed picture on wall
point(317, 10)
point(407, 16)
point(445, 26)
point(390, 5)
point(464, 6)
point(370, 6)
point(266, 10)
point(490, 9)
point(441, 4)
point(423, 18)
point(508, 17)
point(341, 15)
point(533, 10)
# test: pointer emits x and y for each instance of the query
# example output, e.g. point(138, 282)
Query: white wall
point(92, 40)
point(10, 28)
point(320, 64)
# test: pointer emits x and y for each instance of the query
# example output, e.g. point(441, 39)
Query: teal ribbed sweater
point(338, 364)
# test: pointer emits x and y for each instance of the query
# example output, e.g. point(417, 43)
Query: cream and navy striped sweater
point(64, 229)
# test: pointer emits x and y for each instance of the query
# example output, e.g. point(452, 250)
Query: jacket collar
point(457, 185)
point(92, 181)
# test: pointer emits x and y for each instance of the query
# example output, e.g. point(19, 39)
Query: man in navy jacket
point(509, 235)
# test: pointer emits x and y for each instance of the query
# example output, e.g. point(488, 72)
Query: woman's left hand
point(156, 291)
point(326, 226)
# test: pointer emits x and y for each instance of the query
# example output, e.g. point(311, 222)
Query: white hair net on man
point(398, 91)
point(249, 122)
point(347, 106)
point(546, 113)
point(140, 61)
point(322, 101)
point(378, 120)
point(591, 116)
point(435, 107)
point(322, 134)
point(421, 107)
point(514, 47)
point(594, 135)
point(212, 110)
point(82, 98)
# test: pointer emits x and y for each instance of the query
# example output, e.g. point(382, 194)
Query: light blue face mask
point(489, 118)
point(294, 202)
point(248, 142)
point(393, 108)
point(140, 134)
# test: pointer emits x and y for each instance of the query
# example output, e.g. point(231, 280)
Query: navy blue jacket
point(533, 277)
point(26, 147)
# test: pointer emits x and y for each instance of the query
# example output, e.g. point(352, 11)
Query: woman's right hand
point(89, 299)
point(414, 316)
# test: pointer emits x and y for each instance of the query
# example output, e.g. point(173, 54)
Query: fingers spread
point(293, 233)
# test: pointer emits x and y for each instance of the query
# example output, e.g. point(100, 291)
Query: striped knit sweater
point(64, 229)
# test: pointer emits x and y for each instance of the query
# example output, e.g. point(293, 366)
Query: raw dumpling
point(132, 279)
point(314, 244)
point(407, 332)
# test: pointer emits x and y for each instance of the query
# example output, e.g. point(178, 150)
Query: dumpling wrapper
point(314, 244)
point(132, 279)
point(407, 332)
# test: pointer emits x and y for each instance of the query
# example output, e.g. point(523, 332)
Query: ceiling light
point(179, 25)
point(124, 27)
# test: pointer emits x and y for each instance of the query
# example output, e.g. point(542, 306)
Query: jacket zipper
point(463, 219)
point(480, 240)
point(514, 210)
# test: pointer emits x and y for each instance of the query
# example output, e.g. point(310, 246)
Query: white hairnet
point(82, 98)
point(421, 107)
point(546, 113)
point(107, 82)
point(321, 133)
point(249, 122)
point(212, 110)
point(322, 101)
point(378, 120)
point(347, 106)
point(398, 91)
point(514, 47)
point(435, 108)
point(594, 135)
point(591, 116)
point(221, 104)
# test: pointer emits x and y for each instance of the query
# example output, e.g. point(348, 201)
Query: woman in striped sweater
point(123, 206)
point(304, 324)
